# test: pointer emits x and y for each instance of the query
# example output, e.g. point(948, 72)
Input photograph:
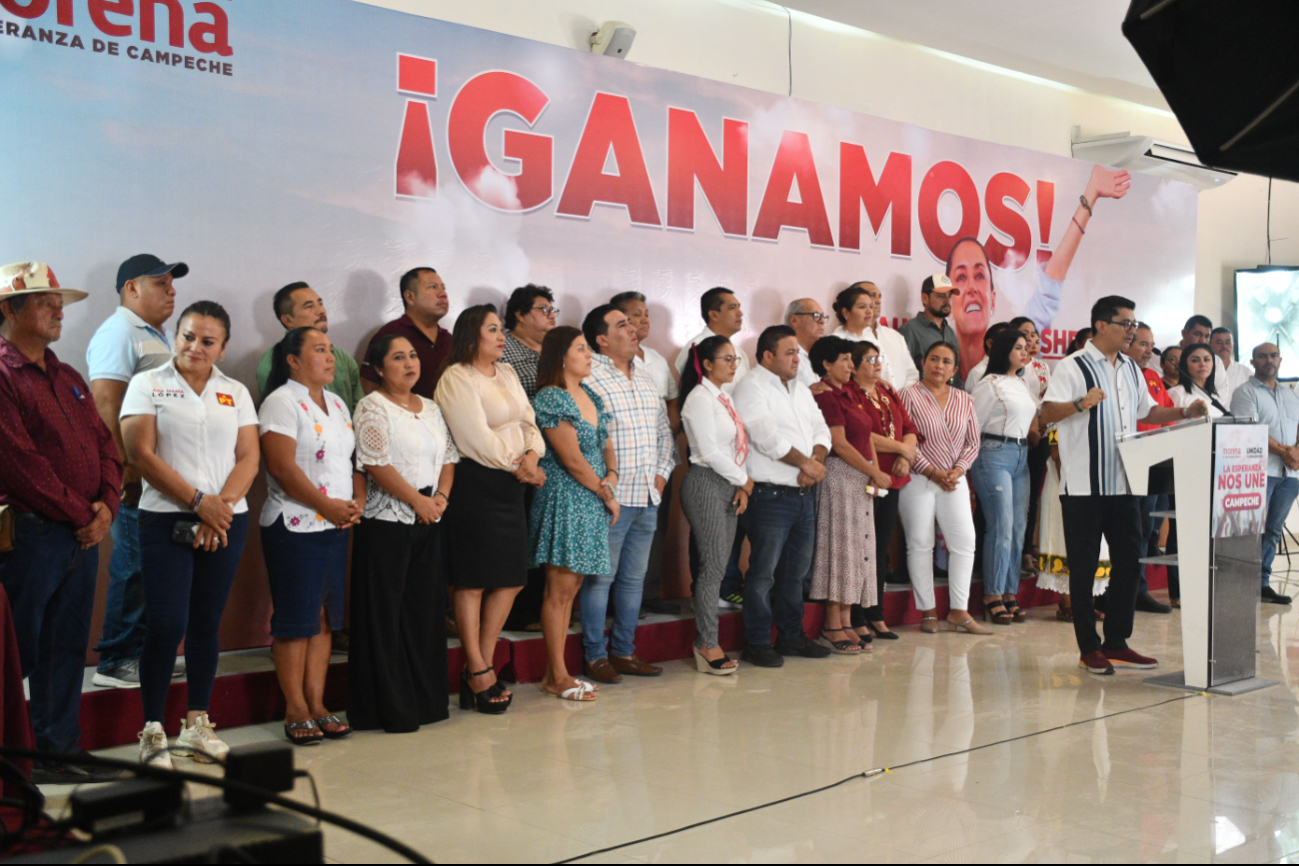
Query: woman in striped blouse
point(949, 445)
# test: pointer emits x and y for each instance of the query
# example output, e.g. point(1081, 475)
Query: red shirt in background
point(1158, 393)
point(431, 355)
point(58, 455)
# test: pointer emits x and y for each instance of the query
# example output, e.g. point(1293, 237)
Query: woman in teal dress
point(568, 531)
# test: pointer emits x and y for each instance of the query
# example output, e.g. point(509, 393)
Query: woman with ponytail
point(716, 490)
point(314, 498)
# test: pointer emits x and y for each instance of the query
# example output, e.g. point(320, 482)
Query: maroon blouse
point(842, 407)
point(891, 420)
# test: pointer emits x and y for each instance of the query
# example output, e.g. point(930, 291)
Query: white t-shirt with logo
point(196, 432)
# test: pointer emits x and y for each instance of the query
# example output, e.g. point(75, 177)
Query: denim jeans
point(630, 540)
point(50, 582)
point(781, 526)
point(1281, 493)
point(123, 635)
point(186, 590)
point(1000, 479)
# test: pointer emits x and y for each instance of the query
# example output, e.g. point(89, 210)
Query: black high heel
point(481, 701)
point(882, 635)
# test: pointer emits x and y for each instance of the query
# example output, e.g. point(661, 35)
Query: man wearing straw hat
point(60, 482)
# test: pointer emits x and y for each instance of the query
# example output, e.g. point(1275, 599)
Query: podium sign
point(1239, 480)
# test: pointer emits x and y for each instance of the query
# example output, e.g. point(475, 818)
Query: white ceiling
point(1076, 42)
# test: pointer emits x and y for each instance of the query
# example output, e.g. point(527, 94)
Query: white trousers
point(921, 503)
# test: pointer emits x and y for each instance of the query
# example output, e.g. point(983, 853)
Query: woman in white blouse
point(1007, 417)
point(397, 660)
point(1196, 371)
point(496, 433)
point(192, 432)
point(314, 496)
point(716, 490)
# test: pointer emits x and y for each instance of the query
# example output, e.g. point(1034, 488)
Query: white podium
point(1215, 469)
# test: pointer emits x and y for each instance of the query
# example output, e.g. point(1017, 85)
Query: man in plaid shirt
point(642, 440)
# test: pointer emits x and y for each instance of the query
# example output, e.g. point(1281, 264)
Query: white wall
point(747, 42)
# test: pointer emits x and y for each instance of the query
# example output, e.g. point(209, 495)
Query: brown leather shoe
point(602, 672)
point(634, 667)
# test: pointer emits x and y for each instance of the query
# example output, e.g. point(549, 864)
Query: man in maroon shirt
point(61, 476)
point(424, 296)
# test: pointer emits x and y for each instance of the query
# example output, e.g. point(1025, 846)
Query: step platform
point(246, 691)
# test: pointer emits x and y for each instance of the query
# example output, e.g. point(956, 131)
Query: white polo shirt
point(741, 360)
point(325, 444)
point(196, 432)
point(1089, 451)
point(778, 417)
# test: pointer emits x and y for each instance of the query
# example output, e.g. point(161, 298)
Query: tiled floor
point(1149, 775)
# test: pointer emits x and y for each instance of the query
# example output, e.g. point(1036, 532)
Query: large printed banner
point(341, 143)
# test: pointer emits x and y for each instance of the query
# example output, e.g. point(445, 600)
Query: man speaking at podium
point(1096, 395)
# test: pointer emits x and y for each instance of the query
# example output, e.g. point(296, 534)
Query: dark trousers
point(1086, 520)
point(124, 622)
point(185, 594)
point(50, 582)
point(397, 659)
point(781, 525)
point(886, 517)
point(527, 604)
point(1146, 504)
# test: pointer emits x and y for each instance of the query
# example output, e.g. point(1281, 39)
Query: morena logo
point(209, 27)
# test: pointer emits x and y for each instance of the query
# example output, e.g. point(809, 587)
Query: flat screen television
point(1267, 311)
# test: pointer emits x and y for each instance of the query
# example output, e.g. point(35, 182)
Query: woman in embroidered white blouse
point(314, 497)
point(398, 656)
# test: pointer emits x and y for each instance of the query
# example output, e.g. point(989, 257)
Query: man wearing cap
point(60, 476)
point(130, 341)
point(298, 306)
point(930, 325)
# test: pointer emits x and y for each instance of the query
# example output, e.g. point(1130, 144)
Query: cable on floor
point(877, 771)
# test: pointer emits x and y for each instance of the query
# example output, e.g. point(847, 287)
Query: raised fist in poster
point(970, 271)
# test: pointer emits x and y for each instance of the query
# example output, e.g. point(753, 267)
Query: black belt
point(1010, 439)
point(784, 488)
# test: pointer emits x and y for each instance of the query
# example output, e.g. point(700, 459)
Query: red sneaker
point(1127, 658)
point(1097, 663)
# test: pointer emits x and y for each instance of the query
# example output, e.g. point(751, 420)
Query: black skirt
point(486, 528)
point(397, 660)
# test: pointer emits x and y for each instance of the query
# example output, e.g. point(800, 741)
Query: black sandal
point(481, 701)
point(308, 725)
point(1017, 613)
point(840, 647)
point(990, 614)
point(332, 719)
point(882, 635)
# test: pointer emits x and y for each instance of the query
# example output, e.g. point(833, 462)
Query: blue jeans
point(1000, 479)
point(123, 635)
point(50, 582)
point(630, 540)
point(781, 526)
point(186, 591)
point(1281, 493)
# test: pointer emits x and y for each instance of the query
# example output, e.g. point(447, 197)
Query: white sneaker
point(153, 746)
point(199, 741)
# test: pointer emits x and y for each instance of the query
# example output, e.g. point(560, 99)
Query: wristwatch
point(1077, 404)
